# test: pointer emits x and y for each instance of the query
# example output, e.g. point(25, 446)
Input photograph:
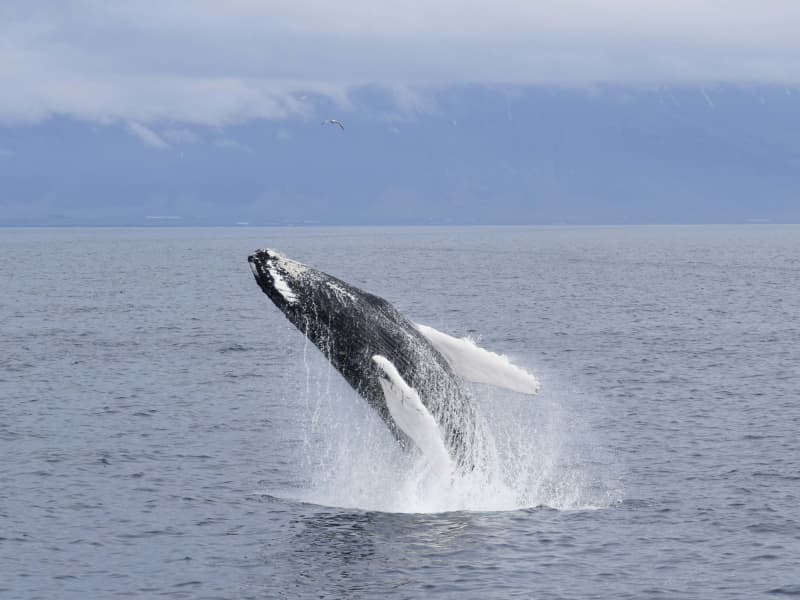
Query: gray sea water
point(164, 432)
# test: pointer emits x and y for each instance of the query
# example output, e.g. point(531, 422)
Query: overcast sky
point(221, 63)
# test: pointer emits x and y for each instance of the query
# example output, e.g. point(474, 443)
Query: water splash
point(540, 451)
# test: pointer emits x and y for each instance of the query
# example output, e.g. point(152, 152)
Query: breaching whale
point(410, 374)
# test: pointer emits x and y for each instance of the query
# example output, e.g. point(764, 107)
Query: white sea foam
point(541, 454)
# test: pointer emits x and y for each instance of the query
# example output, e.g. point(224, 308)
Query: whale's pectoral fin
point(412, 417)
point(481, 366)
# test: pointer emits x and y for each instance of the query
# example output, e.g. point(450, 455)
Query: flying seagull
point(333, 122)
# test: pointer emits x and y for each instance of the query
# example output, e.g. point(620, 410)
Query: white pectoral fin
point(412, 417)
point(478, 365)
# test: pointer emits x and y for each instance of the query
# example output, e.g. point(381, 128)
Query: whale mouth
point(258, 265)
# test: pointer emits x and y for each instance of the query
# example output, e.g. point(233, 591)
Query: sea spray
point(537, 451)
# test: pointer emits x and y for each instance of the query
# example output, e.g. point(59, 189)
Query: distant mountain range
point(463, 155)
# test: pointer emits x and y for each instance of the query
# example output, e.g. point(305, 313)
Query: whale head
point(333, 314)
point(282, 279)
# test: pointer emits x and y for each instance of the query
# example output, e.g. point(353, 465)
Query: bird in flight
point(333, 122)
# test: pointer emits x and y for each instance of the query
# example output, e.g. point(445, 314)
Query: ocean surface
point(166, 433)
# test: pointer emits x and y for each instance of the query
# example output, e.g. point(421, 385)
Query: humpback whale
point(412, 375)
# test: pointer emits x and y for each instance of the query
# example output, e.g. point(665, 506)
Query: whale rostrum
point(412, 375)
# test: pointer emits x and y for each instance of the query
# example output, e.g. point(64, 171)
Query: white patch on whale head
point(292, 267)
point(281, 285)
point(289, 266)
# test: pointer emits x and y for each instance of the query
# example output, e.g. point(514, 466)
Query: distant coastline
point(179, 223)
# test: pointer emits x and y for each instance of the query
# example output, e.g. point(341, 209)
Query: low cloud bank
point(217, 64)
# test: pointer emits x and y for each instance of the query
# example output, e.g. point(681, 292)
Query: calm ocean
point(165, 432)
